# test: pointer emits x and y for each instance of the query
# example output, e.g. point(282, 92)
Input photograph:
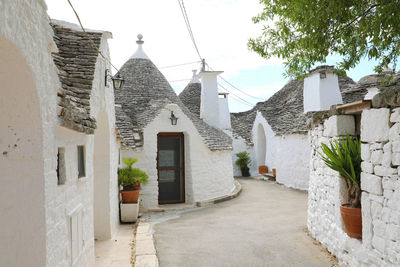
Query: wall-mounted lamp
point(174, 120)
point(118, 81)
point(322, 75)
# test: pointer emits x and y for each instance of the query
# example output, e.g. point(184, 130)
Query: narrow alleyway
point(264, 226)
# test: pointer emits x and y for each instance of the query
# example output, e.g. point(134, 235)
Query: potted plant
point(344, 156)
point(130, 179)
point(243, 162)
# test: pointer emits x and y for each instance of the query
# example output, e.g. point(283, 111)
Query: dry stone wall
point(380, 136)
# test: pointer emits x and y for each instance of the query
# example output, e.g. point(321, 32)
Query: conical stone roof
point(144, 93)
point(191, 97)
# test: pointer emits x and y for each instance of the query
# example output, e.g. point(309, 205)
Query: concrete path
point(116, 252)
point(264, 226)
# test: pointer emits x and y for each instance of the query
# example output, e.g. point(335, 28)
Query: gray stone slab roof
point(144, 93)
point(76, 61)
point(242, 124)
point(191, 97)
point(284, 110)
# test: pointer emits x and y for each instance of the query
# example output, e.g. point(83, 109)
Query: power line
point(183, 64)
point(179, 80)
point(248, 103)
point(189, 28)
point(236, 87)
point(90, 39)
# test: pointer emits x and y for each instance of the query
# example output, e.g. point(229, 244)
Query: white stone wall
point(321, 94)
point(25, 24)
point(380, 185)
point(62, 199)
point(209, 103)
point(102, 104)
point(208, 174)
point(288, 154)
point(41, 236)
point(240, 145)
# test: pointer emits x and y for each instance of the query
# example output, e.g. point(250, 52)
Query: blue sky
point(221, 30)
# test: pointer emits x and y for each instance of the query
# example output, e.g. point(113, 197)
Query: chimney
point(321, 89)
point(224, 115)
point(209, 102)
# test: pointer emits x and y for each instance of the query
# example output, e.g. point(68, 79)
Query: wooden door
point(170, 167)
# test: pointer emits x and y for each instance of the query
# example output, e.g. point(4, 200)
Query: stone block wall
point(380, 245)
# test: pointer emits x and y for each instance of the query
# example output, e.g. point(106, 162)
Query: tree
point(305, 32)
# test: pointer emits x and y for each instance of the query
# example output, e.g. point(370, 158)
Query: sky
point(221, 30)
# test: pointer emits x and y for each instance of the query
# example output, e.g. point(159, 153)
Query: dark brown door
point(170, 166)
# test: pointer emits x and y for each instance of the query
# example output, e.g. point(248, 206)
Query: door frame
point(182, 138)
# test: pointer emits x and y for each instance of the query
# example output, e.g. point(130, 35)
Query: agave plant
point(344, 156)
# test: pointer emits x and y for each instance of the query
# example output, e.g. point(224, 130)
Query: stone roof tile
point(76, 62)
point(144, 93)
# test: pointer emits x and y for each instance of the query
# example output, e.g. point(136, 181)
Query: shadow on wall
point(21, 192)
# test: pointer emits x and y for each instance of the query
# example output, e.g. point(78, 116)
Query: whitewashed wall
point(106, 201)
point(101, 160)
point(288, 154)
point(28, 167)
point(208, 174)
point(240, 145)
point(34, 226)
point(380, 201)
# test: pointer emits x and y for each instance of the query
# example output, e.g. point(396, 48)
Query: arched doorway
point(22, 178)
point(101, 200)
point(261, 145)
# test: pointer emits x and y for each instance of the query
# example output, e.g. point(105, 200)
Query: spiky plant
point(128, 177)
point(344, 156)
point(243, 159)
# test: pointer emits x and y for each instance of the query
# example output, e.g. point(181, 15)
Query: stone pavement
point(116, 252)
point(264, 226)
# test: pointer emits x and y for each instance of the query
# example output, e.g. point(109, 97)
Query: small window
point(61, 170)
point(81, 162)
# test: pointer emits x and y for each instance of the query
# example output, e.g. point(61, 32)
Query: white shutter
point(76, 223)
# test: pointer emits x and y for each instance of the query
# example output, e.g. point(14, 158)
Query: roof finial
point(139, 41)
point(195, 79)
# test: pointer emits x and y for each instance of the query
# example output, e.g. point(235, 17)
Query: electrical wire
point(189, 28)
point(243, 100)
point(236, 87)
point(183, 64)
point(179, 80)
point(92, 44)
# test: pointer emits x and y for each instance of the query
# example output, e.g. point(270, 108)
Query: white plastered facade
point(288, 154)
point(208, 174)
point(35, 224)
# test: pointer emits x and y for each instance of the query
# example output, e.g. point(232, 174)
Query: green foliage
point(243, 159)
point(344, 156)
point(129, 176)
point(305, 32)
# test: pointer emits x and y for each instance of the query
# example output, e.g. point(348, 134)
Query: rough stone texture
point(241, 123)
point(76, 60)
point(144, 94)
point(380, 198)
point(191, 97)
point(208, 174)
point(284, 110)
point(339, 125)
point(375, 125)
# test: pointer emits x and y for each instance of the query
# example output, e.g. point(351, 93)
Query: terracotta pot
point(274, 172)
point(131, 196)
point(262, 169)
point(245, 172)
point(352, 220)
